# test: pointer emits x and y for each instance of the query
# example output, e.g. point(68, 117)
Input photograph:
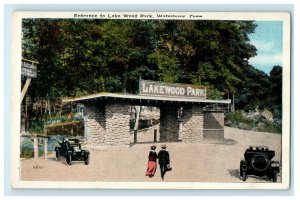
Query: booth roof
point(104, 96)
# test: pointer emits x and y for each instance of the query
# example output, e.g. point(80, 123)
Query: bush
point(26, 153)
point(237, 117)
point(273, 127)
point(258, 123)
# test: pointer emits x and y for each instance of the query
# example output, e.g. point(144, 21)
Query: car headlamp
point(275, 164)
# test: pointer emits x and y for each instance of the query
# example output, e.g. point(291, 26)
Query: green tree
point(254, 90)
point(275, 92)
point(167, 66)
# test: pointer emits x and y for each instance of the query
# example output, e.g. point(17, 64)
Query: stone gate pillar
point(117, 124)
point(169, 125)
point(192, 124)
point(94, 125)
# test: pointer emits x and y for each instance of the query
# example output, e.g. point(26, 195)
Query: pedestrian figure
point(151, 169)
point(164, 160)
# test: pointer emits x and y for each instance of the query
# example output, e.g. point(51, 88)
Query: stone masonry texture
point(117, 124)
point(94, 119)
point(192, 124)
point(107, 125)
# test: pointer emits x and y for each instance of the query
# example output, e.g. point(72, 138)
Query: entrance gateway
point(107, 115)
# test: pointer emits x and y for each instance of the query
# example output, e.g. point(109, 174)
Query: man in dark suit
point(164, 160)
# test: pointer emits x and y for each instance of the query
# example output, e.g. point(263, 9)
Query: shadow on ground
point(235, 173)
point(221, 142)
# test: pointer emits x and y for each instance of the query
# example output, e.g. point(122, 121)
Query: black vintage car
point(71, 150)
point(258, 162)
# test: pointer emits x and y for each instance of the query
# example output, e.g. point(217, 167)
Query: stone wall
point(107, 125)
point(94, 125)
point(117, 124)
point(169, 125)
point(192, 124)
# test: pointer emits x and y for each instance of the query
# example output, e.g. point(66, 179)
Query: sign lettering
point(29, 68)
point(175, 90)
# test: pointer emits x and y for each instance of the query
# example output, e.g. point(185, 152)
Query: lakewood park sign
point(29, 68)
point(171, 89)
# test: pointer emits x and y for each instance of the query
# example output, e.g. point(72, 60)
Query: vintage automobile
point(258, 162)
point(71, 150)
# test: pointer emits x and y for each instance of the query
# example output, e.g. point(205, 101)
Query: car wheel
point(87, 160)
point(57, 154)
point(269, 177)
point(69, 159)
point(242, 163)
point(275, 177)
point(244, 176)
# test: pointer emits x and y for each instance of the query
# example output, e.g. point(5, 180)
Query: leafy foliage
point(87, 56)
point(80, 56)
point(257, 123)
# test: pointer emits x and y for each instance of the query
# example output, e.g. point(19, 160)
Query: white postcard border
point(16, 88)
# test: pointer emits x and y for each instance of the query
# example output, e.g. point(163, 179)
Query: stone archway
point(107, 118)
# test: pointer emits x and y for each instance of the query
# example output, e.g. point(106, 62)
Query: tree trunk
point(49, 108)
point(228, 105)
point(233, 106)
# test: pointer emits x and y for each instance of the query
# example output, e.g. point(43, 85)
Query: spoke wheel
point(69, 159)
point(87, 160)
point(57, 154)
point(244, 176)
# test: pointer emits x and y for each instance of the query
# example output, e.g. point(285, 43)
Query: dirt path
point(210, 161)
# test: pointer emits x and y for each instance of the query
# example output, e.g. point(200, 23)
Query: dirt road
point(211, 161)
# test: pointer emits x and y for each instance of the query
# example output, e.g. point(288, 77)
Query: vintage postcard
point(150, 100)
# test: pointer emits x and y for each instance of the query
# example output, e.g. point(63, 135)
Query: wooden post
point(24, 90)
point(46, 148)
point(228, 105)
point(233, 106)
point(180, 130)
point(155, 135)
point(137, 118)
point(45, 143)
point(36, 147)
point(135, 136)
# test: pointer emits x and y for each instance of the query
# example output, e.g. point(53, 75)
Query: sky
point(268, 40)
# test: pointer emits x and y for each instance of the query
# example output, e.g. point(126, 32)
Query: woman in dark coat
point(164, 160)
point(151, 169)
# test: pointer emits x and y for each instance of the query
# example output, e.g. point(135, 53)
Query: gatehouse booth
point(107, 118)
